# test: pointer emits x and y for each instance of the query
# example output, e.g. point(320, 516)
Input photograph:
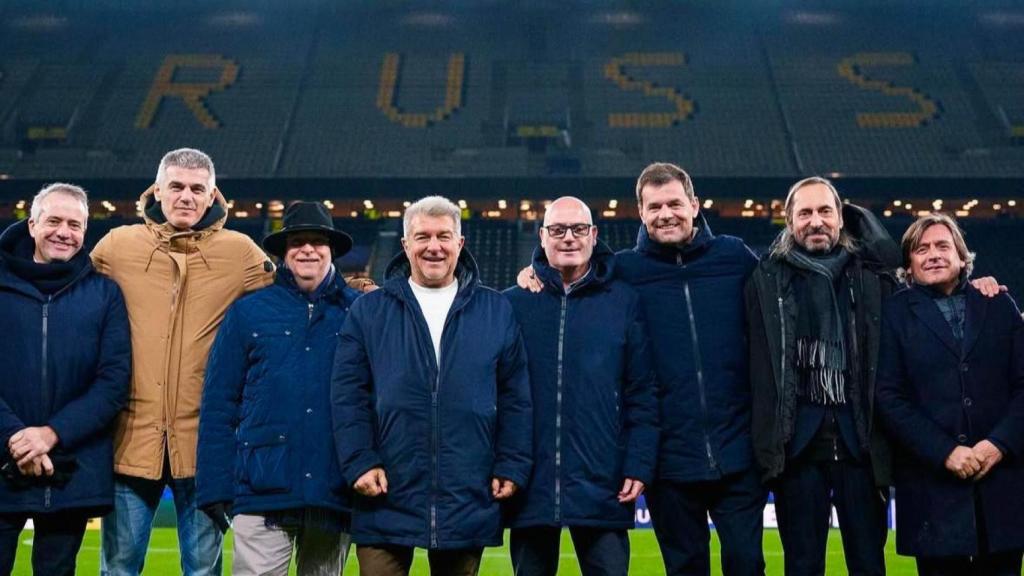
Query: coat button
point(308, 475)
point(307, 348)
point(281, 437)
point(309, 410)
point(963, 367)
point(287, 332)
point(968, 402)
point(961, 438)
point(255, 335)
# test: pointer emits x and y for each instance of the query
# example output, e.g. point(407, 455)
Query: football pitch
point(645, 559)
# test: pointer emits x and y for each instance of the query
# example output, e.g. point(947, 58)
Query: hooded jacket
point(692, 298)
point(440, 432)
point(66, 360)
point(265, 438)
point(177, 286)
point(772, 314)
point(594, 403)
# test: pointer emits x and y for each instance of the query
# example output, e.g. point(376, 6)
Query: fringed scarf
point(820, 340)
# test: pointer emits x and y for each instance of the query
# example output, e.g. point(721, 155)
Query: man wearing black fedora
point(266, 450)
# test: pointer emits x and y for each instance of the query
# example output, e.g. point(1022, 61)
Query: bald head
point(570, 207)
point(568, 237)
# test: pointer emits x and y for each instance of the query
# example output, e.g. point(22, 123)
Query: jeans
point(126, 530)
point(55, 542)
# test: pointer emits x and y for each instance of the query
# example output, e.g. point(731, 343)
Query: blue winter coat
point(934, 394)
point(66, 364)
point(594, 406)
point(693, 301)
point(265, 439)
point(439, 432)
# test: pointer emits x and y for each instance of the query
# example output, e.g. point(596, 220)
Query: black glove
point(220, 513)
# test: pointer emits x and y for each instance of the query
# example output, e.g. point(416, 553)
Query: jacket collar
point(694, 248)
point(602, 268)
point(923, 306)
point(18, 267)
point(398, 271)
point(214, 219)
point(331, 288)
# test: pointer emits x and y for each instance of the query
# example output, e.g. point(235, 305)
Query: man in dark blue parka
point(266, 451)
point(595, 434)
point(67, 359)
point(690, 283)
point(431, 404)
point(951, 394)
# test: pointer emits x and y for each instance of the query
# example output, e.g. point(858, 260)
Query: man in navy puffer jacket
point(67, 357)
point(691, 287)
point(431, 403)
point(595, 409)
point(266, 453)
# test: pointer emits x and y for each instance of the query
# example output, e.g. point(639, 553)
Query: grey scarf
point(820, 340)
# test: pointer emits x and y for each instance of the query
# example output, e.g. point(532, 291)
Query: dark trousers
point(600, 551)
point(396, 561)
point(58, 536)
point(1001, 564)
point(804, 496)
point(679, 513)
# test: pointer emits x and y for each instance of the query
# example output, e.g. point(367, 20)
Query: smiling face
point(569, 254)
point(935, 261)
point(60, 229)
point(668, 213)
point(432, 247)
point(308, 256)
point(184, 195)
point(814, 218)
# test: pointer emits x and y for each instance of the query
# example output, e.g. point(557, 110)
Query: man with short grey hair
point(67, 361)
point(179, 270)
point(432, 442)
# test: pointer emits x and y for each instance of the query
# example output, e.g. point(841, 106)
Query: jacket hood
point(400, 269)
point(602, 268)
point(214, 219)
point(876, 246)
point(699, 243)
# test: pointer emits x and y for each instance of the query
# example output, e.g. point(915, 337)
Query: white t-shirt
point(435, 304)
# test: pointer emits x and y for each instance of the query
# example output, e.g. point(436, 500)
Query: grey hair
point(70, 190)
point(436, 206)
point(785, 242)
point(188, 158)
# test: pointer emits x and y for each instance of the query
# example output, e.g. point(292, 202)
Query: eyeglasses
point(559, 230)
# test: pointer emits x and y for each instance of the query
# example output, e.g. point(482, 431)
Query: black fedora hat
point(307, 217)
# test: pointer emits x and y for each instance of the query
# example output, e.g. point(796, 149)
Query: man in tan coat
point(179, 271)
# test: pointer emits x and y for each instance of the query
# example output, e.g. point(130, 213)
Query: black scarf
point(18, 250)
point(820, 340)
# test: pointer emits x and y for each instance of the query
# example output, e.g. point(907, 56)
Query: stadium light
point(997, 207)
point(462, 204)
point(748, 203)
point(368, 204)
point(406, 204)
point(259, 205)
point(887, 213)
point(502, 204)
point(1011, 203)
point(897, 203)
point(329, 204)
point(353, 214)
point(709, 203)
point(613, 203)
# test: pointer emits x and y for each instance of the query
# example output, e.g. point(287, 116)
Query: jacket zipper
point(310, 308)
point(700, 376)
point(434, 440)
point(45, 388)
point(558, 415)
point(782, 361)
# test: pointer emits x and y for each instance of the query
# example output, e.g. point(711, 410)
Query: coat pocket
point(265, 460)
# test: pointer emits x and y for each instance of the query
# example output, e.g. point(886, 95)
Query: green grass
point(645, 559)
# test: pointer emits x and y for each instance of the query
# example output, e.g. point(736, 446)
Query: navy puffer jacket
point(66, 363)
point(594, 403)
point(693, 301)
point(439, 432)
point(265, 439)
